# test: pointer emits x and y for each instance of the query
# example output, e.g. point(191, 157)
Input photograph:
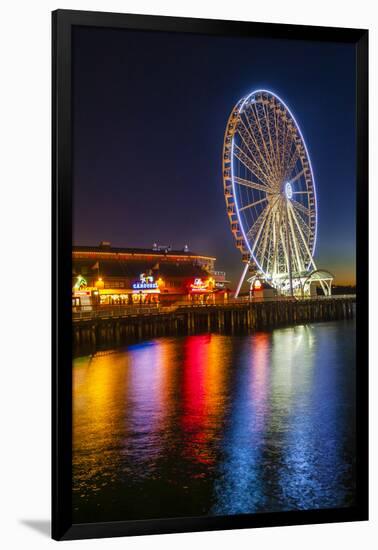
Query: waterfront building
point(124, 276)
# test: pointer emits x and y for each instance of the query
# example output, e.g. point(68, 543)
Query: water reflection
point(203, 398)
point(238, 487)
point(214, 424)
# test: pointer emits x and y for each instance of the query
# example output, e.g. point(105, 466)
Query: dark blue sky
point(150, 111)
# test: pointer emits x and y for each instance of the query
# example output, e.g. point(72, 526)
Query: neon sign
point(146, 282)
point(199, 285)
point(80, 283)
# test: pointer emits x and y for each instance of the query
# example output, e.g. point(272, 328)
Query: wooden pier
point(104, 327)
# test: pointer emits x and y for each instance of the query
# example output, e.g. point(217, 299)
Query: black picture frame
point(62, 23)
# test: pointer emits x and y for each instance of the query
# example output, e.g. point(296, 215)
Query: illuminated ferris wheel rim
point(244, 100)
point(236, 113)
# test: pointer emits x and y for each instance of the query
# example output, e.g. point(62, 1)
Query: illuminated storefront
point(85, 298)
point(130, 276)
point(261, 290)
point(202, 290)
point(146, 290)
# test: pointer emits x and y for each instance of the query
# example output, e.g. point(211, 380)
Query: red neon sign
point(199, 285)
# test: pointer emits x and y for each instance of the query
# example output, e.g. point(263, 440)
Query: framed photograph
point(210, 274)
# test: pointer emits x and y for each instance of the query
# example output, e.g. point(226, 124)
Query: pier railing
point(114, 311)
point(103, 312)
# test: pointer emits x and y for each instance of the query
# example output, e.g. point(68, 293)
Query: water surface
point(214, 424)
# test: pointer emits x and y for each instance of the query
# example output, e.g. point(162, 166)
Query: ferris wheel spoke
point(251, 165)
point(298, 256)
point(253, 230)
point(291, 164)
point(273, 153)
point(305, 227)
point(279, 139)
point(267, 234)
point(255, 145)
point(251, 184)
point(276, 125)
point(300, 207)
point(274, 244)
point(269, 245)
point(285, 251)
point(303, 238)
point(271, 147)
point(307, 231)
point(275, 145)
point(287, 150)
point(259, 232)
point(257, 121)
point(276, 220)
point(252, 204)
point(297, 177)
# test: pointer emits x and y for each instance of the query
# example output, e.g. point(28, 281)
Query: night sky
point(150, 111)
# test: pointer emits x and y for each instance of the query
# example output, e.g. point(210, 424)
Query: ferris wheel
point(270, 192)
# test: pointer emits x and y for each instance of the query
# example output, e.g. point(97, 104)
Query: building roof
point(107, 249)
point(132, 270)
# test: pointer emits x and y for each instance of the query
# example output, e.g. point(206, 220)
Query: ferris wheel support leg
point(242, 279)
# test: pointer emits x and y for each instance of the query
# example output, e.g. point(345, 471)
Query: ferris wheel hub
point(288, 190)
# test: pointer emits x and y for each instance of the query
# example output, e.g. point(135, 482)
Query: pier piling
point(94, 332)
